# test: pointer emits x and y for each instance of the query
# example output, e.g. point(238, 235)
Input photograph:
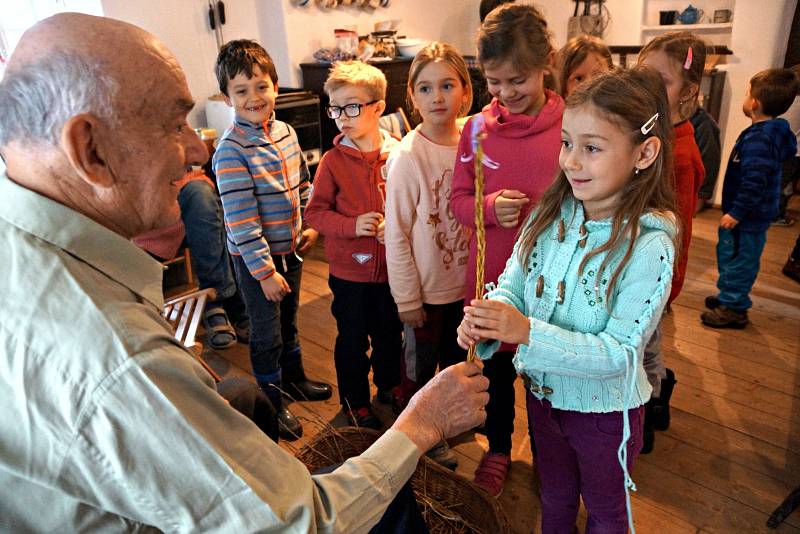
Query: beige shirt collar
point(83, 238)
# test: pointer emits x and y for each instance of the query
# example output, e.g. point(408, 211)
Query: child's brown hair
point(775, 90)
point(628, 99)
point(437, 52)
point(516, 33)
point(575, 52)
point(689, 51)
point(240, 56)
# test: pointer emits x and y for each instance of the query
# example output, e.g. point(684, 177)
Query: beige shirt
point(107, 424)
point(426, 248)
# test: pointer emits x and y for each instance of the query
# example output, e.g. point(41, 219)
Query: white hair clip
point(647, 126)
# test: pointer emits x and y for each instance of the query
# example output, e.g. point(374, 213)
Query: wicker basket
point(449, 502)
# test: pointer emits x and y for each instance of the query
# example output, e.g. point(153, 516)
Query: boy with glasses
point(347, 207)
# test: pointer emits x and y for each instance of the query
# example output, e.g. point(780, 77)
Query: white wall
point(759, 38)
point(292, 33)
point(183, 26)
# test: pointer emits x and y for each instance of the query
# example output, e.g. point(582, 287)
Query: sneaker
point(724, 317)
point(491, 473)
point(393, 398)
point(712, 302)
point(443, 455)
point(792, 269)
point(363, 417)
point(783, 221)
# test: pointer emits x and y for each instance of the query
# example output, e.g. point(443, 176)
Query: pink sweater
point(520, 152)
point(426, 247)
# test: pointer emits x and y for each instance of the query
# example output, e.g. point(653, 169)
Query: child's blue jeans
point(738, 259)
point(274, 345)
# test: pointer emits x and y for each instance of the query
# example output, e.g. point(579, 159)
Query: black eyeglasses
point(351, 110)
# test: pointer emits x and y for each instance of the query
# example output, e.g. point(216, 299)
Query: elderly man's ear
point(83, 144)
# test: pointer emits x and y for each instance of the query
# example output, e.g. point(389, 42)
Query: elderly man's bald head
point(95, 117)
point(72, 63)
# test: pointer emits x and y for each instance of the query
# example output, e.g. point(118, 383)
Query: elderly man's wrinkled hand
point(453, 402)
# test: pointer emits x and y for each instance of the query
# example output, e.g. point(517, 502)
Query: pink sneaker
point(491, 473)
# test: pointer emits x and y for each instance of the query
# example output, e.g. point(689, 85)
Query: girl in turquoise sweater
point(582, 293)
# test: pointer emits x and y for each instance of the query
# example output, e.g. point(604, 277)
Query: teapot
point(690, 15)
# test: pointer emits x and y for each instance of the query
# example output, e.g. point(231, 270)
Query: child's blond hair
point(358, 74)
point(437, 52)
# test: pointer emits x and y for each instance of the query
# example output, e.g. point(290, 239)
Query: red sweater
point(520, 152)
point(349, 183)
point(689, 173)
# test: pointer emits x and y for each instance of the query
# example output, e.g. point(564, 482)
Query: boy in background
point(751, 194)
point(263, 182)
point(347, 207)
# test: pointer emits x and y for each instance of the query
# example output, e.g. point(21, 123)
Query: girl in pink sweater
point(521, 147)
point(426, 248)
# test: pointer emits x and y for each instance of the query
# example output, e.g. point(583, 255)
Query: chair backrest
point(396, 123)
point(184, 314)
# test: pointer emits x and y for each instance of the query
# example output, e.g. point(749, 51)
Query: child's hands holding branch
point(367, 224)
point(491, 319)
point(508, 206)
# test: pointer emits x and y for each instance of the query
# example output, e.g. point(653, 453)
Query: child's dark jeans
point(365, 312)
point(274, 346)
point(738, 259)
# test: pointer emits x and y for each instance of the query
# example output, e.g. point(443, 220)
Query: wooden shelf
point(726, 26)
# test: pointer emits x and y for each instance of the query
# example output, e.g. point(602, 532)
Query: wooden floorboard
point(732, 452)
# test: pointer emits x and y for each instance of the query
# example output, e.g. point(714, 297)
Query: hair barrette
point(688, 63)
point(649, 125)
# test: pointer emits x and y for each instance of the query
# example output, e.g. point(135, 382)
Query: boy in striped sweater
point(264, 185)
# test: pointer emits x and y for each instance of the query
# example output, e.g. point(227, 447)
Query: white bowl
point(410, 47)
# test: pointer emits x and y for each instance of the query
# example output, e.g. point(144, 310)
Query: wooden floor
point(733, 451)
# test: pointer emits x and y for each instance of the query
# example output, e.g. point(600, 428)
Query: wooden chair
point(184, 313)
point(185, 257)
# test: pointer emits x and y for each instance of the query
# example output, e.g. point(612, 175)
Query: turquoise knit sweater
point(580, 356)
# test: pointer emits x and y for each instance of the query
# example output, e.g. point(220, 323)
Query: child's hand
point(727, 222)
point(413, 318)
point(275, 287)
point(507, 207)
point(492, 319)
point(307, 240)
point(367, 224)
point(465, 337)
point(380, 230)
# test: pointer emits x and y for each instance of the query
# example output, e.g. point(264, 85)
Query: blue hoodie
point(753, 179)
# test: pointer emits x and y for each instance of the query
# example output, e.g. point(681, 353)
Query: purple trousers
point(576, 456)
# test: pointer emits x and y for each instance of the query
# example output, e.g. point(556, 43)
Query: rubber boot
point(297, 385)
point(289, 426)
point(660, 416)
point(649, 434)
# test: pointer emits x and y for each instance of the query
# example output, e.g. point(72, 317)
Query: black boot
point(295, 382)
point(660, 416)
point(306, 389)
point(649, 434)
point(289, 426)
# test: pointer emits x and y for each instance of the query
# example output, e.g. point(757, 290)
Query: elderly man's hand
point(451, 403)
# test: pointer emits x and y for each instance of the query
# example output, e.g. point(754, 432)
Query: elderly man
point(106, 423)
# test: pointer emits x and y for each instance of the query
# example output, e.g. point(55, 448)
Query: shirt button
point(595, 398)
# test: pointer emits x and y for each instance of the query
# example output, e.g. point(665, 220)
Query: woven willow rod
point(480, 230)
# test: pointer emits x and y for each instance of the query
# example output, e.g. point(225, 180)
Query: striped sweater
point(264, 185)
